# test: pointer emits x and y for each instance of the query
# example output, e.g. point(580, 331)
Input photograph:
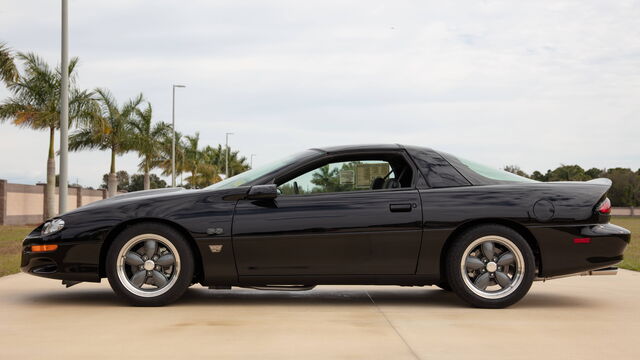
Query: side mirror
point(263, 192)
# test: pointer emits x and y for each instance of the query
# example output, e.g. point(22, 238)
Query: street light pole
point(252, 155)
point(173, 138)
point(226, 146)
point(64, 110)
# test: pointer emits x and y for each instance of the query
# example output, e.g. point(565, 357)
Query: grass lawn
point(11, 241)
point(11, 247)
point(632, 253)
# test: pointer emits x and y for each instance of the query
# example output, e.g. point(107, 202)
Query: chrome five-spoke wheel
point(492, 267)
point(148, 265)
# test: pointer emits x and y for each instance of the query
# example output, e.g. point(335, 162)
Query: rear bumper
point(568, 250)
point(611, 270)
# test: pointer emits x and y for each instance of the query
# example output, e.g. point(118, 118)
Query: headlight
point(52, 226)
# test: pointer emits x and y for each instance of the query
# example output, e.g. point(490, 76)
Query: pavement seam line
point(393, 327)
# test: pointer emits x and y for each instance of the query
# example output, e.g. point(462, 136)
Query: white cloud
point(534, 84)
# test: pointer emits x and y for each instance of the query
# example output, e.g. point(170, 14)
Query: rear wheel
point(490, 266)
point(149, 264)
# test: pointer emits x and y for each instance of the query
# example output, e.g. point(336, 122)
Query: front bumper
point(76, 261)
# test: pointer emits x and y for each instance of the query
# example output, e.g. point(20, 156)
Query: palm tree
point(237, 164)
point(147, 141)
point(208, 169)
point(218, 159)
point(192, 157)
point(8, 69)
point(107, 128)
point(163, 161)
point(209, 163)
point(325, 179)
point(35, 103)
point(208, 175)
point(204, 165)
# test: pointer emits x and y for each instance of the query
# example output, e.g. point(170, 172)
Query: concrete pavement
point(572, 318)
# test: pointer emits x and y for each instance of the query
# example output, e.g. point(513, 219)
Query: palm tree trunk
point(112, 182)
point(147, 181)
point(50, 188)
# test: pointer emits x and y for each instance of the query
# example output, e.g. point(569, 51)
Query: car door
point(362, 232)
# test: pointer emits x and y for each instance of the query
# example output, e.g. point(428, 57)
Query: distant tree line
point(625, 190)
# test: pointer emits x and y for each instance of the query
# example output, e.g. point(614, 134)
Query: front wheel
point(149, 264)
point(490, 266)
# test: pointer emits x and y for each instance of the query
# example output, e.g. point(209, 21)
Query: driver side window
point(343, 176)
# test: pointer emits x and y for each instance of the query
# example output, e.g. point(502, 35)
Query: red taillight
point(605, 207)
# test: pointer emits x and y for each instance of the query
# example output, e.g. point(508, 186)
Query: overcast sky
point(537, 83)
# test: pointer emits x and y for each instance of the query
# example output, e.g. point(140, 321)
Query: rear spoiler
point(600, 181)
point(592, 194)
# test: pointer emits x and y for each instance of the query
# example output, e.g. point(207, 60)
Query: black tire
point(456, 276)
point(444, 285)
point(183, 276)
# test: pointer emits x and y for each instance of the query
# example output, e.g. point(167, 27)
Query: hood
point(136, 195)
point(152, 192)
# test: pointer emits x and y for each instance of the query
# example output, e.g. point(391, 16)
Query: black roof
point(368, 147)
point(365, 147)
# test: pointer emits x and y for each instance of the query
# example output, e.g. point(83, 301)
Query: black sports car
point(376, 214)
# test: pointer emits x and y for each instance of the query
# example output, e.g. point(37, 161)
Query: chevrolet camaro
point(370, 214)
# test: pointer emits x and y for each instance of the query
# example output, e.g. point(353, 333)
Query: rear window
point(480, 174)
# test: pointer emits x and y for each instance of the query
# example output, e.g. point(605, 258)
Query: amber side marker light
point(43, 248)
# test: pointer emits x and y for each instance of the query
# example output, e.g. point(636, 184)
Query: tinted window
point(350, 173)
point(480, 174)
point(493, 173)
point(254, 174)
point(436, 170)
point(340, 176)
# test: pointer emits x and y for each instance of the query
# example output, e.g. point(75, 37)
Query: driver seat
point(377, 183)
point(392, 184)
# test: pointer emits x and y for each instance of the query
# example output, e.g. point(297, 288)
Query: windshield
point(492, 173)
point(254, 174)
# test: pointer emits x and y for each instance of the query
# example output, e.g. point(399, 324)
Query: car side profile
point(369, 214)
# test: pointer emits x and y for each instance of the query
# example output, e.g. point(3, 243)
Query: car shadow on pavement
point(352, 296)
point(73, 297)
point(428, 297)
point(546, 300)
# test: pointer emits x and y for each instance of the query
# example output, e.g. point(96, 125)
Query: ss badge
point(215, 231)
point(215, 248)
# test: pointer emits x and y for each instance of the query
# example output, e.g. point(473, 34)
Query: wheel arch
point(519, 228)
point(113, 233)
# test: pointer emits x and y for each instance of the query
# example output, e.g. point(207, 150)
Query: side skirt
point(312, 280)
